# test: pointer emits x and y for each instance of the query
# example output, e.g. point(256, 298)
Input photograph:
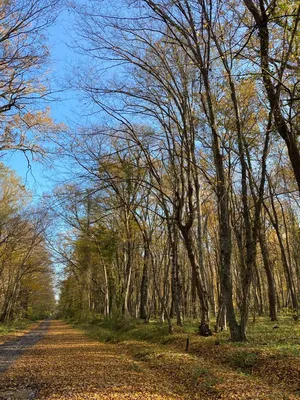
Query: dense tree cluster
point(182, 199)
point(186, 201)
point(26, 284)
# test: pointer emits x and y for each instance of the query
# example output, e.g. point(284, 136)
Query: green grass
point(124, 329)
point(284, 340)
point(261, 334)
point(11, 326)
point(269, 354)
point(263, 338)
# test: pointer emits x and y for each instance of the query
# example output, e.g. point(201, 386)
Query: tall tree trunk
point(201, 290)
point(127, 281)
point(145, 280)
point(129, 260)
point(270, 276)
point(287, 268)
point(175, 281)
point(262, 17)
point(162, 298)
point(107, 291)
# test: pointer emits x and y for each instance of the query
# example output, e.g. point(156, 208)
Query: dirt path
point(68, 365)
point(10, 351)
point(15, 334)
point(65, 364)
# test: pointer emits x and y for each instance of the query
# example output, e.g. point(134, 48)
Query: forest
point(177, 194)
point(159, 243)
point(184, 202)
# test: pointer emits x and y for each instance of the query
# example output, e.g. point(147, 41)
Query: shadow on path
point(12, 350)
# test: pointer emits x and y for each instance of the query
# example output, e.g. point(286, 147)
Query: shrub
point(243, 360)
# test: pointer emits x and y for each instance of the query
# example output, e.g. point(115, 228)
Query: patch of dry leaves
point(17, 333)
point(281, 372)
point(206, 379)
point(66, 364)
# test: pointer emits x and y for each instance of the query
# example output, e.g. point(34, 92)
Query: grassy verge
point(12, 326)
point(271, 354)
point(11, 329)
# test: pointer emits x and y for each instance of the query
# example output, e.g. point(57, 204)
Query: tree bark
point(270, 276)
point(145, 280)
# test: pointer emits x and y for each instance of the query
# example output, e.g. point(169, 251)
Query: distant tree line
point(26, 277)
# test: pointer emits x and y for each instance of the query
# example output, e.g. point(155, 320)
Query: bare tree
point(23, 84)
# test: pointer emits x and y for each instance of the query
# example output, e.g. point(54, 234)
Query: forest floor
point(12, 330)
point(67, 364)
point(13, 349)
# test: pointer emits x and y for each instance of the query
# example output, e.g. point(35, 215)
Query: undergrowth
point(284, 339)
point(272, 351)
point(11, 326)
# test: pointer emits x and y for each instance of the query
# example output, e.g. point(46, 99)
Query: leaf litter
point(66, 364)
